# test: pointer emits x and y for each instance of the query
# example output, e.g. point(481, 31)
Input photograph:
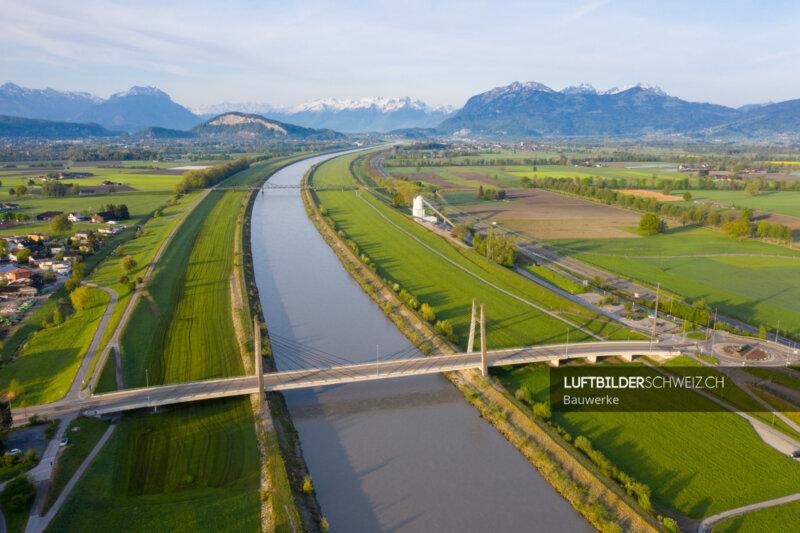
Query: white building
point(418, 211)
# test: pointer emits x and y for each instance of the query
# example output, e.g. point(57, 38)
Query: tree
point(713, 218)
point(460, 231)
point(18, 495)
point(687, 196)
point(23, 256)
point(5, 417)
point(751, 188)
point(128, 263)
point(479, 193)
point(76, 190)
point(762, 332)
point(80, 298)
point(61, 224)
point(12, 191)
point(764, 229)
point(650, 223)
point(22, 191)
point(58, 318)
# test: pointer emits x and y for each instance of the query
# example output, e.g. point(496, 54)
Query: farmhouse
point(82, 235)
point(48, 216)
point(77, 217)
point(111, 230)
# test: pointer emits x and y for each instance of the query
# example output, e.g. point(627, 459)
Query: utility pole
point(471, 343)
point(484, 366)
point(655, 316)
point(714, 332)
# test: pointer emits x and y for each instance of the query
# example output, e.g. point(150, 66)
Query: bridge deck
point(299, 379)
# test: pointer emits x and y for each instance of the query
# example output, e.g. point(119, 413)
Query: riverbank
point(603, 507)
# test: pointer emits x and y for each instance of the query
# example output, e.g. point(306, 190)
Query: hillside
point(253, 126)
point(30, 128)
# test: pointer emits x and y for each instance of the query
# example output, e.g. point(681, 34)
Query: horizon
point(441, 55)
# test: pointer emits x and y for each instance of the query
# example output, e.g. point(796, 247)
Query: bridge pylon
point(471, 343)
point(259, 361)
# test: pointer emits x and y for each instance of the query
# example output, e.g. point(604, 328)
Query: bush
point(444, 328)
point(307, 486)
point(427, 313)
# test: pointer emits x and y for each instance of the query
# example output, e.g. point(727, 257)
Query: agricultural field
point(47, 363)
point(448, 289)
point(759, 289)
point(775, 202)
point(190, 468)
point(190, 289)
point(697, 464)
point(547, 215)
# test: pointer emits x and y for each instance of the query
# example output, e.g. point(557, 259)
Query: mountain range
point(376, 114)
point(518, 110)
point(531, 109)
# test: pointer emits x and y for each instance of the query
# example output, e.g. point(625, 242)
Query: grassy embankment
point(402, 260)
point(579, 482)
point(190, 468)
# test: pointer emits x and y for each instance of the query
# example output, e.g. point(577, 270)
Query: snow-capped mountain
point(651, 89)
point(374, 114)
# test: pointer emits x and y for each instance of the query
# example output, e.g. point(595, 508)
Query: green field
point(778, 518)
point(48, 362)
point(780, 202)
point(696, 464)
point(759, 289)
point(448, 289)
point(191, 468)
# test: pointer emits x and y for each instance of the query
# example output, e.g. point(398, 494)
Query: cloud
point(582, 11)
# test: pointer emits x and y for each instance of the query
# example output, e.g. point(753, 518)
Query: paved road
point(38, 523)
point(237, 386)
point(709, 522)
point(86, 364)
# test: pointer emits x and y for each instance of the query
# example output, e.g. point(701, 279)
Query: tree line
point(200, 179)
point(696, 214)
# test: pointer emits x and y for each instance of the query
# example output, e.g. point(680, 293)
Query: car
point(795, 453)
point(15, 451)
point(64, 442)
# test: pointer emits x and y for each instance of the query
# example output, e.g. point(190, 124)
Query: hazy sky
point(729, 52)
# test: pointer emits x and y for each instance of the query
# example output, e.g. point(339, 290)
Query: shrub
point(427, 313)
point(18, 494)
point(307, 486)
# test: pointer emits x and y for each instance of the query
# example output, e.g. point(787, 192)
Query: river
point(402, 455)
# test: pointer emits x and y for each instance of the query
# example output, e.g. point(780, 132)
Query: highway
point(156, 396)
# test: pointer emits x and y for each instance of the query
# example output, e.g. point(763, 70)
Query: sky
point(201, 53)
